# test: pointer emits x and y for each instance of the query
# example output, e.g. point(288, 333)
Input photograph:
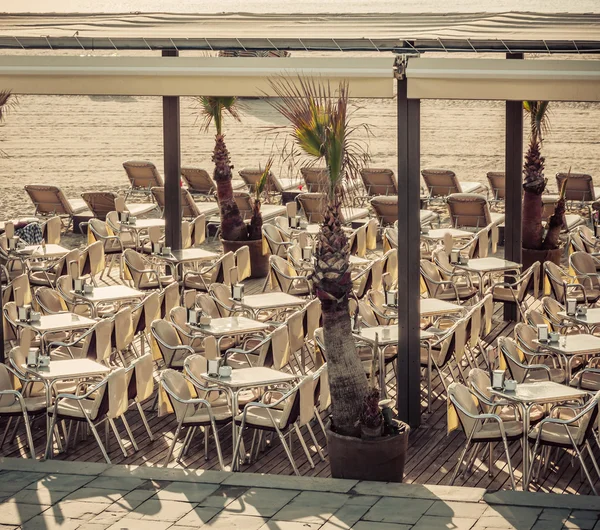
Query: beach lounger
point(379, 181)
point(549, 205)
point(497, 182)
point(317, 181)
point(143, 176)
point(102, 202)
point(51, 201)
point(386, 210)
point(471, 210)
point(315, 204)
point(245, 203)
point(442, 182)
point(201, 185)
point(580, 190)
point(189, 208)
point(275, 185)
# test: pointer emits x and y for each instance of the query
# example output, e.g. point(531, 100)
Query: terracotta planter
point(381, 459)
point(259, 262)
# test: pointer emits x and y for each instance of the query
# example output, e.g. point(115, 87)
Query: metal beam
point(172, 159)
point(409, 153)
point(513, 160)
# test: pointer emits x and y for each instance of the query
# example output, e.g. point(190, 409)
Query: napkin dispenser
point(213, 367)
point(157, 248)
point(24, 313)
point(571, 306)
point(12, 243)
point(454, 256)
point(237, 292)
point(124, 217)
point(542, 330)
point(294, 221)
point(88, 288)
point(307, 253)
point(32, 358)
point(193, 316)
point(498, 379)
point(78, 285)
point(166, 251)
point(391, 298)
point(43, 361)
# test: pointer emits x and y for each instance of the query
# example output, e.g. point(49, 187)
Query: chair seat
point(127, 240)
point(491, 431)
point(596, 193)
point(260, 417)
point(77, 205)
point(40, 278)
point(32, 404)
point(535, 376)
point(536, 413)
point(589, 381)
point(465, 292)
point(554, 433)
point(504, 294)
point(288, 184)
point(201, 417)
point(71, 408)
point(497, 218)
point(350, 214)
point(472, 187)
point(137, 209)
point(152, 284)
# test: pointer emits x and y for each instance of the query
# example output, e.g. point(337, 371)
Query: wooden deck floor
point(431, 458)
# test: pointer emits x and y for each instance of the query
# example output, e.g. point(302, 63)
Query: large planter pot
point(382, 459)
point(259, 262)
point(530, 256)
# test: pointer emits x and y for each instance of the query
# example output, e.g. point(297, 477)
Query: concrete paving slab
point(391, 510)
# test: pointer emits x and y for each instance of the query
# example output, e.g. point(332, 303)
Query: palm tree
point(211, 109)
point(534, 182)
point(319, 123)
point(7, 102)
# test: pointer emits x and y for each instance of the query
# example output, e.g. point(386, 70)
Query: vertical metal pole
point(409, 154)
point(514, 193)
point(2, 352)
point(172, 157)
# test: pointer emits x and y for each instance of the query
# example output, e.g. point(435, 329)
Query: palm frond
point(7, 102)
point(539, 118)
point(262, 181)
point(212, 107)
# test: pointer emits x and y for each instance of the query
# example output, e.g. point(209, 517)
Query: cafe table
point(432, 307)
point(439, 233)
point(55, 323)
point(177, 258)
point(141, 225)
point(589, 321)
point(108, 294)
point(51, 251)
point(528, 394)
point(64, 370)
point(257, 303)
point(487, 266)
point(580, 345)
point(234, 326)
point(246, 378)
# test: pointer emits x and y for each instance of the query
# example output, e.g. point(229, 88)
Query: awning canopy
point(188, 76)
point(503, 79)
point(398, 33)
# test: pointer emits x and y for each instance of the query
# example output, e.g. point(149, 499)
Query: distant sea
point(294, 6)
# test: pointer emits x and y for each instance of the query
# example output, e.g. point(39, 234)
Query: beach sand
point(79, 143)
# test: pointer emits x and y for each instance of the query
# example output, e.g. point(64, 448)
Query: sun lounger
point(200, 184)
point(317, 181)
point(471, 210)
point(379, 181)
point(386, 210)
point(442, 182)
point(143, 176)
point(245, 203)
point(50, 201)
point(314, 206)
point(274, 184)
point(549, 204)
point(497, 182)
point(102, 202)
point(189, 208)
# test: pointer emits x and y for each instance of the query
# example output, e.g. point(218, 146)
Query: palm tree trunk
point(533, 231)
point(232, 224)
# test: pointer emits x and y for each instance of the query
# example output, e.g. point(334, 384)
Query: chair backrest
point(440, 182)
point(198, 180)
point(142, 175)
point(6, 383)
point(178, 316)
point(252, 176)
point(312, 317)
point(135, 262)
point(169, 298)
point(534, 318)
point(479, 381)
point(525, 335)
point(579, 186)
point(588, 238)
point(143, 378)
point(555, 276)
point(100, 202)
point(51, 230)
point(430, 274)
point(390, 238)
point(208, 305)
point(372, 230)
point(151, 311)
point(199, 230)
point(243, 263)
point(222, 294)
point(123, 330)
point(99, 347)
point(166, 337)
point(468, 210)
point(314, 206)
point(530, 280)
point(497, 182)
point(460, 395)
point(316, 179)
point(386, 210)
point(244, 203)
point(48, 200)
point(357, 241)
point(279, 267)
point(279, 354)
point(94, 260)
point(178, 385)
point(576, 242)
point(371, 278)
point(296, 406)
point(275, 237)
point(588, 421)
point(582, 263)
point(379, 181)
point(18, 290)
point(551, 309)
point(513, 357)
point(98, 228)
point(295, 325)
point(49, 300)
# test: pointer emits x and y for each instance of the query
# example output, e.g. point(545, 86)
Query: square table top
point(230, 326)
point(254, 376)
point(489, 265)
point(270, 301)
point(142, 224)
point(59, 322)
point(68, 368)
point(37, 251)
point(187, 255)
point(439, 233)
point(542, 392)
point(581, 344)
point(433, 306)
point(110, 293)
point(368, 335)
point(592, 318)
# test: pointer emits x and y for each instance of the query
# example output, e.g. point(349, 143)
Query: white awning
point(188, 76)
point(503, 79)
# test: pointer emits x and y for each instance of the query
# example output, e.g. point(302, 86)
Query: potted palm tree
point(319, 122)
point(234, 232)
point(536, 245)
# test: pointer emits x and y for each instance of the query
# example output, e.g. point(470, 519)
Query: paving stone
point(391, 510)
point(61, 482)
point(93, 526)
point(116, 483)
point(186, 492)
point(364, 525)
point(420, 491)
point(198, 517)
point(13, 513)
point(346, 516)
point(13, 481)
point(131, 500)
point(157, 510)
point(551, 524)
point(457, 509)
point(80, 510)
point(553, 514)
point(53, 466)
point(433, 522)
point(362, 500)
point(224, 496)
point(226, 521)
point(584, 514)
point(261, 501)
point(109, 517)
point(523, 515)
point(543, 500)
point(336, 485)
point(135, 524)
point(50, 522)
point(7, 527)
point(41, 496)
point(99, 495)
point(290, 525)
point(171, 474)
point(582, 524)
